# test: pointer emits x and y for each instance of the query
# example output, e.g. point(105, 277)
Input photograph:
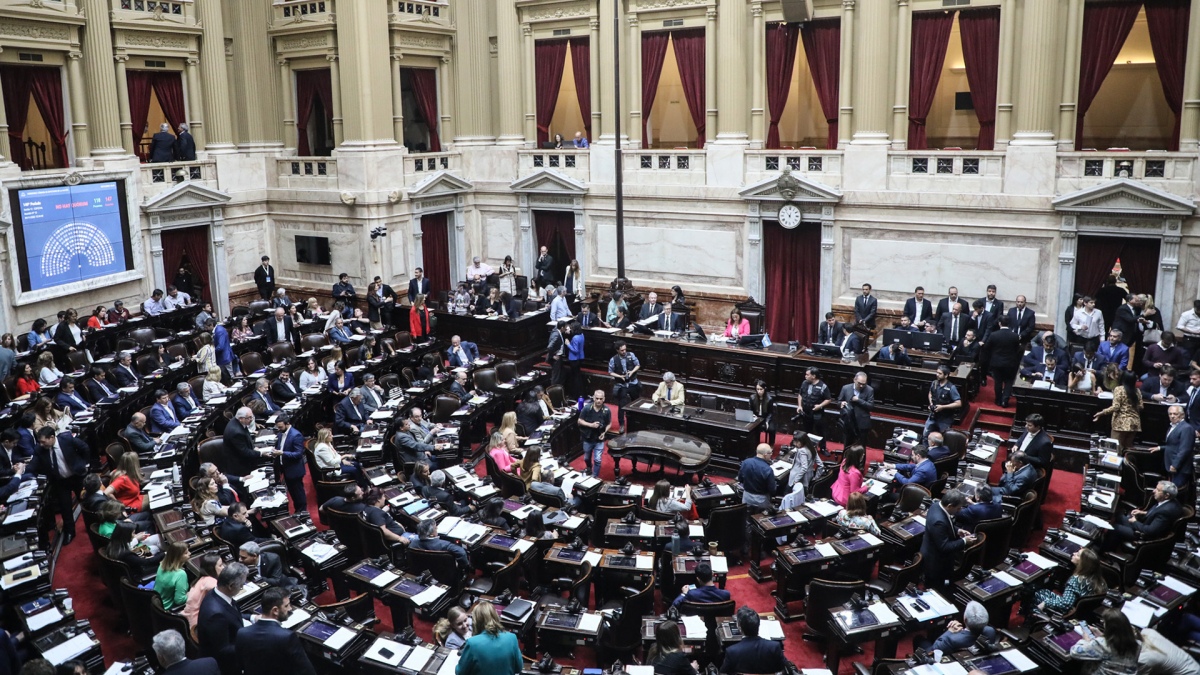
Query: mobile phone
point(386, 653)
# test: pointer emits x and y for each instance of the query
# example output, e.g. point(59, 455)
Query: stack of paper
point(428, 595)
point(693, 627)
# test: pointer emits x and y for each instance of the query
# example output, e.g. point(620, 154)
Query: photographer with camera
point(943, 401)
point(623, 368)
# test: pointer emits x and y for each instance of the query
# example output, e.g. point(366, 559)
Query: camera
point(378, 232)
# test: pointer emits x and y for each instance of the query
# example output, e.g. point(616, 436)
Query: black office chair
point(728, 525)
point(600, 518)
point(138, 604)
point(999, 537)
point(823, 596)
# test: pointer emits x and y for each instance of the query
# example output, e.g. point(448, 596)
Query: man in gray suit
point(135, 433)
point(856, 401)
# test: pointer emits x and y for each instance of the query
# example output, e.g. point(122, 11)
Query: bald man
point(135, 433)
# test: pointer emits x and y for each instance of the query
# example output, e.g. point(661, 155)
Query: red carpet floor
point(78, 573)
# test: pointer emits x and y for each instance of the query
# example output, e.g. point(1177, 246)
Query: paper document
point(69, 649)
point(297, 617)
point(417, 658)
point(770, 630)
point(428, 595)
point(592, 557)
point(589, 622)
point(450, 665)
point(384, 579)
point(340, 639)
point(1019, 660)
point(825, 509)
point(1007, 578)
point(42, 619)
point(1100, 523)
point(826, 550)
point(1141, 613)
point(693, 627)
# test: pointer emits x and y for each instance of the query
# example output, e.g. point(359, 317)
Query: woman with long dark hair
point(1125, 410)
point(850, 474)
point(666, 654)
point(1115, 650)
point(762, 404)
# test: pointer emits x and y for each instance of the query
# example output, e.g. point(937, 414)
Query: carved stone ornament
point(348, 197)
point(393, 196)
point(73, 178)
point(787, 185)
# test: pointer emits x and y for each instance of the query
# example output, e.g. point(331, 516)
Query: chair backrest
point(546, 499)
point(444, 407)
point(821, 486)
point(999, 537)
point(164, 620)
point(824, 595)
point(557, 396)
point(142, 336)
point(239, 310)
point(1023, 518)
point(708, 401)
point(389, 381)
point(313, 341)
point(911, 497)
point(485, 379)
point(111, 574)
point(972, 555)
point(900, 576)
point(328, 489)
point(728, 524)
point(408, 375)
point(252, 362)
point(197, 385)
point(346, 526)
point(79, 359)
point(259, 307)
point(605, 513)
point(138, 612)
point(211, 450)
point(282, 351)
point(360, 608)
point(178, 350)
point(754, 313)
point(403, 340)
point(646, 513)
point(506, 371)
point(508, 484)
point(508, 577)
point(440, 563)
point(146, 364)
point(114, 451)
point(956, 441)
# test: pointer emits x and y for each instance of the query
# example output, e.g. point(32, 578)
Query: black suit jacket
point(1004, 349)
point(265, 646)
point(943, 307)
point(1178, 450)
point(824, 333)
point(201, 666)
point(75, 454)
point(1192, 408)
point(346, 414)
point(946, 325)
point(648, 310)
point(282, 392)
point(544, 266)
point(865, 308)
point(1125, 320)
point(217, 627)
point(940, 545)
point(1154, 386)
point(1159, 519)
point(1040, 451)
point(240, 456)
point(63, 336)
point(860, 411)
point(910, 309)
point(271, 327)
point(139, 440)
point(556, 343)
point(415, 288)
point(185, 150)
point(997, 310)
point(753, 655)
point(124, 377)
point(1027, 325)
point(983, 325)
point(95, 392)
point(265, 288)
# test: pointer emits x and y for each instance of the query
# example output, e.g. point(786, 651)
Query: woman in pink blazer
point(736, 326)
point(850, 478)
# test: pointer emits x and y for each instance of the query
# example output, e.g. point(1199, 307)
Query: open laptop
point(744, 415)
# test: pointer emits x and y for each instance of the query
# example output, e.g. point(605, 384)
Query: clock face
point(789, 216)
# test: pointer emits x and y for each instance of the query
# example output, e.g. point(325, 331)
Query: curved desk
point(686, 453)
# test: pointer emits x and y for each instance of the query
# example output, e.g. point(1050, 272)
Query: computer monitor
point(822, 349)
point(640, 329)
point(892, 336)
point(699, 332)
point(754, 340)
point(930, 342)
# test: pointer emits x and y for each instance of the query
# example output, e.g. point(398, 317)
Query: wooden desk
point(510, 340)
point(1068, 416)
point(698, 440)
point(885, 632)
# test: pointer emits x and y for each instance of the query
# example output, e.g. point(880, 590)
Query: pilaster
point(604, 133)
point(1189, 125)
point(530, 88)
point(846, 76)
point(827, 260)
point(711, 30)
point(594, 69)
point(1168, 267)
point(254, 77)
point(472, 87)
point(1040, 35)
point(872, 59)
point(733, 121)
point(1004, 106)
point(903, 75)
point(195, 105)
point(363, 39)
point(449, 108)
point(417, 249)
point(335, 74)
point(102, 82)
point(633, 75)
point(758, 70)
point(1068, 242)
point(753, 279)
point(508, 44)
point(398, 102)
point(79, 119)
point(5, 149)
point(291, 138)
point(123, 104)
point(214, 79)
point(1068, 105)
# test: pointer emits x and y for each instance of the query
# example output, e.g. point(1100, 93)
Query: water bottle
point(580, 403)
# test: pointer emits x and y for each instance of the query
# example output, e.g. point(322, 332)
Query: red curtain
point(192, 242)
point(169, 89)
point(48, 95)
point(1094, 258)
point(556, 225)
point(140, 86)
point(311, 86)
point(980, 30)
point(435, 251)
point(15, 82)
point(823, 49)
point(1105, 27)
point(792, 261)
point(689, 54)
point(654, 52)
point(581, 67)
point(549, 58)
point(424, 84)
point(1168, 24)
point(781, 61)
point(930, 36)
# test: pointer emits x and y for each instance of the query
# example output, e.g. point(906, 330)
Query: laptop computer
point(744, 415)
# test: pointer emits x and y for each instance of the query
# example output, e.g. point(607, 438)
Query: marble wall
point(499, 238)
point(901, 266)
point(676, 251)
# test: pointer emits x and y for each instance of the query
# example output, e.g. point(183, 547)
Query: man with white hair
point(669, 391)
point(267, 567)
point(963, 634)
point(478, 271)
point(1154, 522)
point(162, 145)
point(241, 457)
point(438, 493)
point(559, 307)
point(349, 415)
point(185, 145)
point(171, 651)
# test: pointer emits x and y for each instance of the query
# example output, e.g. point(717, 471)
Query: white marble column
point(1068, 241)
point(526, 242)
point(397, 102)
point(530, 85)
point(219, 263)
point(195, 101)
point(417, 250)
point(633, 99)
point(1189, 127)
point(846, 77)
point(1073, 40)
point(827, 263)
point(580, 237)
point(903, 75)
point(1004, 106)
point(458, 246)
point(1168, 268)
point(758, 77)
point(79, 120)
point(123, 106)
point(447, 108)
point(335, 74)
point(156, 254)
point(753, 279)
point(5, 148)
point(711, 114)
point(594, 69)
point(290, 132)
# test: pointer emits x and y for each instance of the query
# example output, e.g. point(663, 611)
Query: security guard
point(811, 403)
point(943, 401)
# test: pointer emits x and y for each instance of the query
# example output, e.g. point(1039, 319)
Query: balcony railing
point(1170, 171)
point(298, 10)
point(419, 165)
point(423, 10)
point(970, 171)
point(574, 163)
point(307, 172)
point(822, 166)
point(158, 178)
point(173, 7)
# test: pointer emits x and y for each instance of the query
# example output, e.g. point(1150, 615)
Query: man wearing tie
point(98, 387)
point(264, 279)
point(1022, 321)
point(669, 391)
point(865, 307)
point(946, 303)
point(283, 389)
point(124, 374)
point(185, 402)
point(856, 400)
point(1178, 448)
point(62, 460)
point(289, 448)
point(349, 415)
point(586, 319)
point(952, 325)
point(650, 307)
point(69, 398)
point(1192, 412)
point(241, 457)
point(418, 285)
point(556, 351)
point(262, 393)
point(918, 309)
point(830, 332)
point(461, 354)
point(162, 413)
point(982, 321)
point(220, 620)
point(280, 328)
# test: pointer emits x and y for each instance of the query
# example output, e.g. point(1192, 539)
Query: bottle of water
point(580, 403)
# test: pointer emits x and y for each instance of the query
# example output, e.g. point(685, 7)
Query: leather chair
point(894, 578)
point(646, 513)
point(94, 537)
point(497, 577)
point(259, 307)
point(138, 605)
point(403, 340)
point(508, 484)
point(440, 563)
point(578, 588)
point(312, 342)
point(557, 396)
point(485, 380)
point(346, 526)
point(143, 336)
point(252, 362)
point(912, 496)
point(376, 545)
point(444, 407)
point(823, 596)
point(328, 489)
point(408, 375)
point(821, 487)
point(708, 401)
point(211, 450)
point(999, 538)
point(80, 359)
point(111, 574)
point(754, 313)
point(624, 636)
point(282, 352)
point(197, 385)
point(350, 354)
point(506, 372)
point(239, 310)
point(360, 608)
point(1147, 554)
point(146, 364)
point(957, 442)
point(179, 351)
point(389, 381)
point(972, 555)
point(162, 620)
point(1023, 518)
point(600, 518)
point(547, 499)
point(728, 525)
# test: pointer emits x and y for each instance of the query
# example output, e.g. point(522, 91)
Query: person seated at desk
point(339, 334)
point(1082, 380)
point(329, 459)
point(855, 517)
point(461, 354)
point(376, 511)
point(1086, 579)
point(264, 406)
point(669, 391)
point(340, 382)
point(703, 590)
point(1155, 522)
point(69, 398)
point(438, 493)
point(162, 414)
point(1166, 388)
point(459, 388)
point(124, 374)
point(284, 389)
point(48, 374)
point(1048, 371)
point(1113, 350)
point(414, 445)
point(184, 401)
point(1039, 353)
point(430, 368)
point(1116, 652)
point(752, 654)
point(962, 634)
point(1019, 477)
point(236, 528)
point(968, 349)
point(428, 541)
point(894, 353)
point(125, 483)
point(981, 505)
point(736, 326)
point(660, 499)
point(620, 320)
point(587, 318)
point(1165, 353)
point(666, 655)
point(39, 334)
point(921, 471)
point(936, 444)
point(350, 415)
point(267, 567)
point(350, 501)
point(126, 546)
point(97, 387)
point(851, 343)
point(206, 503)
point(1089, 358)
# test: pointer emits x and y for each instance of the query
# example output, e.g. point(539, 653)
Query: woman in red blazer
point(418, 318)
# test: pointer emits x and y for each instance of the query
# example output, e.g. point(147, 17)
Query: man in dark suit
point(135, 433)
point(344, 290)
point(1003, 353)
point(428, 541)
point(264, 279)
point(69, 398)
point(437, 493)
point(556, 353)
point(418, 285)
point(921, 470)
point(162, 413)
point(1039, 352)
point(266, 406)
point(1155, 522)
point(1178, 448)
point(11, 457)
point(943, 542)
point(349, 415)
point(459, 387)
point(830, 332)
point(284, 389)
point(97, 387)
point(236, 529)
point(1164, 388)
point(944, 305)
point(220, 620)
point(1048, 371)
point(279, 327)
point(544, 267)
point(413, 445)
point(185, 145)
point(1022, 321)
point(350, 501)
point(850, 343)
point(383, 300)
point(240, 456)
point(1018, 478)
point(1035, 443)
point(856, 400)
point(982, 506)
point(185, 400)
point(1089, 359)
point(936, 444)
point(918, 309)
point(865, 307)
point(1191, 410)
point(992, 305)
point(953, 326)
point(651, 307)
point(124, 373)
point(752, 654)
point(289, 447)
point(266, 567)
point(1126, 320)
point(586, 318)
point(171, 651)
point(982, 321)
point(703, 590)
point(461, 354)
point(162, 145)
point(1114, 350)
